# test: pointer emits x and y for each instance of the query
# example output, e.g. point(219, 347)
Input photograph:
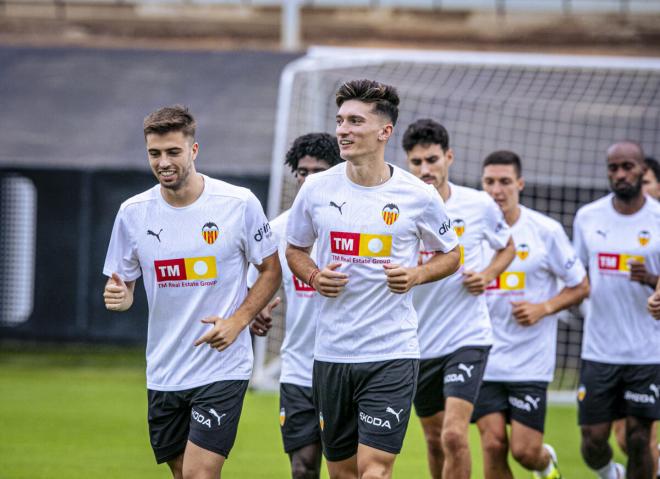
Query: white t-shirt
point(194, 263)
point(618, 329)
point(297, 351)
point(363, 228)
point(449, 316)
point(544, 255)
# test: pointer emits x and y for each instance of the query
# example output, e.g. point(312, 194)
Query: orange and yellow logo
point(509, 281)
point(282, 417)
point(360, 244)
point(210, 232)
point(644, 237)
point(185, 269)
point(522, 251)
point(390, 213)
point(321, 422)
point(617, 262)
point(459, 227)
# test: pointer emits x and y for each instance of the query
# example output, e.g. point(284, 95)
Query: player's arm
point(225, 331)
point(400, 279)
point(527, 314)
point(327, 281)
point(654, 302)
point(476, 282)
point(118, 294)
point(639, 273)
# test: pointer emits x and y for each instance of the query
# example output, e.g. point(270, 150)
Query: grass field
point(81, 413)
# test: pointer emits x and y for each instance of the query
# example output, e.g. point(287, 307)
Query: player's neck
point(512, 215)
point(445, 191)
point(627, 206)
point(368, 172)
point(187, 194)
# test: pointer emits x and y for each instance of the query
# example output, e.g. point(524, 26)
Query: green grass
point(81, 413)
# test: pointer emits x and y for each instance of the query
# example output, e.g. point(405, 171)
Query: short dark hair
point(384, 97)
point(653, 165)
point(425, 132)
point(321, 146)
point(170, 119)
point(504, 157)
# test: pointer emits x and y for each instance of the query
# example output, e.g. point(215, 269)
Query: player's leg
point(215, 412)
point(619, 427)
point(640, 460)
point(620, 435)
point(169, 426)
point(299, 426)
point(429, 405)
point(384, 393)
point(490, 414)
point(332, 393)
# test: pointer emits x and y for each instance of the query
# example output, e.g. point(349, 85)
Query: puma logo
point(151, 233)
point(655, 389)
point(332, 203)
point(602, 233)
point(467, 369)
point(217, 416)
point(532, 401)
point(392, 411)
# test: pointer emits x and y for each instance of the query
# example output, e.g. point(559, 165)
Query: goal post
point(558, 112)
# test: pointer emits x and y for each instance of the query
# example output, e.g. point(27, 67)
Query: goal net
point(559, 113)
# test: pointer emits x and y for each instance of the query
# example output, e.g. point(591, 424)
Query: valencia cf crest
point(522, 251)
point(210, 232)
point(390, 213)
point(321, 422)
point(282, 417)
point(459, 227)
point(643, 237)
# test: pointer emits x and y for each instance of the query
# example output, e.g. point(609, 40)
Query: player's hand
point(475, 282)
point(223, 333)
point(638, 272)
point(117, 296)
point(653, 305)
point(399, 279)
point(330, 282)
point(263, 321)
point(527, 314)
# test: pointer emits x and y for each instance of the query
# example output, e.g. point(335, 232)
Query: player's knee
point(301, 469)
point(454, 440)
point(526, 455)
point(375, 471)
point(494, 445)
point(433, 436)
point(199, 471)
point(637, 440)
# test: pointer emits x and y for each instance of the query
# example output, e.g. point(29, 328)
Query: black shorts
point(523, 402)
point(612, 391)
point(298, 419)
point(457, 375)
point(366, 403)
point(206, 415)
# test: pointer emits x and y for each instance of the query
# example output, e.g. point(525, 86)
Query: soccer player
point(454, 328)
point(367, 218)
point(620, 372)
point(191, 238)
point(311, 153)
point(523, 303)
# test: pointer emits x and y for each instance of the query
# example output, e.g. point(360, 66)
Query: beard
point(627, 191)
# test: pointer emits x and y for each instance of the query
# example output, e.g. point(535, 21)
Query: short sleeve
point(122, 257)
point(496, 231)
point(563, 260)
point(300, 229)
point(259, 242)
point(252, 275)
point(434, 227)
point(579, 244)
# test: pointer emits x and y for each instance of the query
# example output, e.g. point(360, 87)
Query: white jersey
point(618, 329)
point(194, 262)
point(449, 316)
point(364, 228)
point(297, 351)
point(544, 255)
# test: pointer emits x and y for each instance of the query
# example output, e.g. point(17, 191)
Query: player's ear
point(521, 183)
point(195, 150)
point(450, 156)
point(385, 132)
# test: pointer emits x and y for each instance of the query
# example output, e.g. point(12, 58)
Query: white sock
point(607, 472)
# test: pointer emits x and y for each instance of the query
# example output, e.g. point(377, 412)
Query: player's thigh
point(169, 424)
point(201, 463)
point(299, 423)
point(215, 413)
point(372, 462)
point(493, 434)
point(429, 397)
point(524, 439)
point(332, 394)
point(641, 391)
point(528, 404)
point(600, 393)
point(384, 392)
point(463, 373)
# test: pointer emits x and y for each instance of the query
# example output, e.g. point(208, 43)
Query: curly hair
point(321, 146)
point(384, 97)
point(425, 132)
